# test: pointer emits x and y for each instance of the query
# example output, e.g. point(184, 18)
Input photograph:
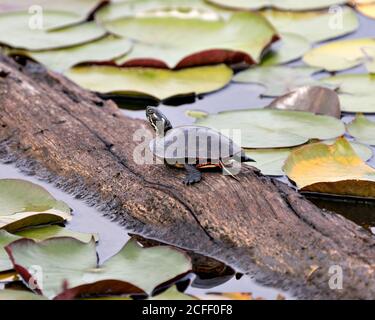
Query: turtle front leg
point(193, 175)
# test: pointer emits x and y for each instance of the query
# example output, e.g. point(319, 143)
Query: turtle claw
point(193, 175)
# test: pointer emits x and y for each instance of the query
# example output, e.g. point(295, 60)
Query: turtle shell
point(194, 145)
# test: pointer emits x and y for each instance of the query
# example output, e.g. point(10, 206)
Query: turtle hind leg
point(193, 175)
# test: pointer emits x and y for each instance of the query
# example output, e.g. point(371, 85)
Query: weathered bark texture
point(58, 131)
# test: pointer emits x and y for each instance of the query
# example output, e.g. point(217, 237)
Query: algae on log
point(58, 131)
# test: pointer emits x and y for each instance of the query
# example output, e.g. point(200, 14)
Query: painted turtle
point(191, 147)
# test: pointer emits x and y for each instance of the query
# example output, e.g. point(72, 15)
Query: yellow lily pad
point(334, 169)
point(339, 55)
point(158, 84)
point(362, 129)
point(367, 9)
point(271, 161)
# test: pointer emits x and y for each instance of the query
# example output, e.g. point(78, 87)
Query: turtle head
point(158, 120)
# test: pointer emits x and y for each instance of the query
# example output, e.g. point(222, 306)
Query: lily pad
point(48, 232)
point(271, 161)
point(16, 32)
point(75, 10)
point(356, 91)
point(367, 9)
point(158, 84)
point(5, 239)
point(187, 42)
point(289, 48)
point(315, 26)
point(278, 80)
point(158, 8)
point(269, 128)
point(315, 99)
point(102, 50)
point(362, 129)
point(24, 204)
point(10, 294)
point(296, 5)
point(339, 55)
point(334, 169)
point(70, 267)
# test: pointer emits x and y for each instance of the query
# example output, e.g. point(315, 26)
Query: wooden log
point(52, 128)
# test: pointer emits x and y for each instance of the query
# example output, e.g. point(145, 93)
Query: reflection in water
point(360, 212)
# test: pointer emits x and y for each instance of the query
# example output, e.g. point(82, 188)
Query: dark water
point(234, 96)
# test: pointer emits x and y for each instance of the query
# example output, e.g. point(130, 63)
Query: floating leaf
point(102, 50)
point(367, 9)
point(158, 8)
point(296, 5)
point(24, 204)
point(73, 264)
point(269, 128)
point(75, 11)
point(188, 42)
point(154, 83)
point(172, 294)
point(9, 294)
point(369, 59)
point(48, 232)
point(271, 161)
point(289, 48)
point(362, 129)
point(356, 91)
point(315, 99)
point(339, 55)
point(315, 26)
point(278, 80)
point(334, 169)
point(5, 239)
point(16, 32)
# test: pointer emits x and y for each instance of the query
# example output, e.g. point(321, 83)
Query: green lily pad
point(356, 91)
point(73, 263)
point(157, 8)
point(172, 294)
point(283, 5)
point(75, 10)
point(187, 42)
point(24, 204)
point(158, 84)
point(9, 294)
point(268, 128)
point(16, 32)
point(278, 80)
point(315, 25)
point(5, 239)
point(102, 50)
point(362, 129)
point(48, 232)
point(339, 55)
point(289, 48)
point(271, 161)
